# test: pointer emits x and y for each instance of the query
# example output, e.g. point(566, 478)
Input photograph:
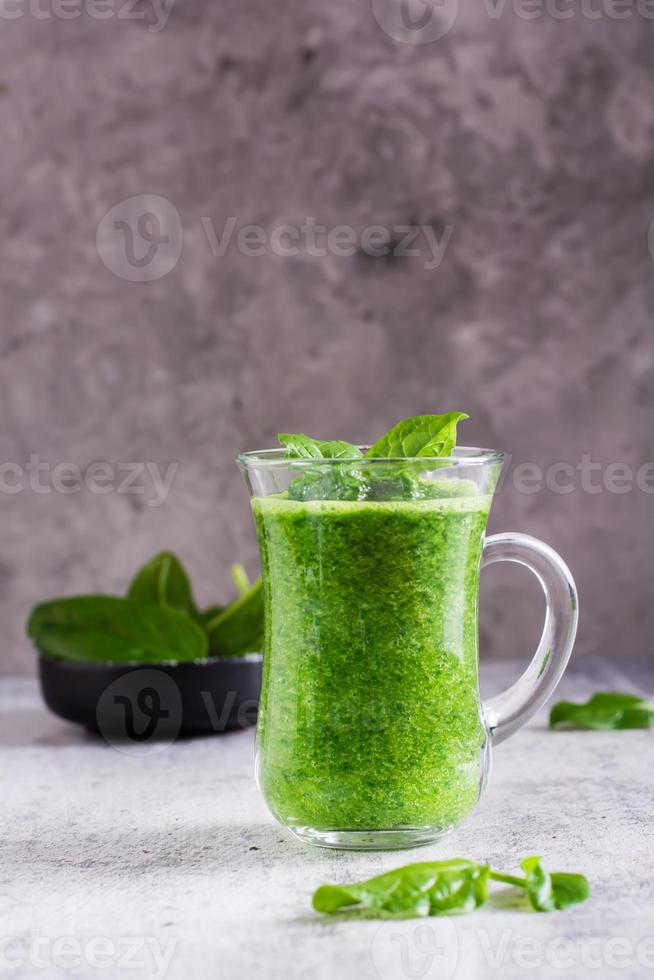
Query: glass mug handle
point(507, 712)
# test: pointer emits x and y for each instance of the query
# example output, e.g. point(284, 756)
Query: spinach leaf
point(330, 483)
point(238, 628)
point(105, 628)
point(448, 888)
point(422, 435)
point(240, 578)
point(208, 614)
point(569, 889)
point(361, 482)
point(605, 711)
point(429, 888)
point(163, 582)
point(552, 892)
point(538, 884)
point(299, 446)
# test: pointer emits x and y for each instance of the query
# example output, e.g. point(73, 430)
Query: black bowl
point(140, 702)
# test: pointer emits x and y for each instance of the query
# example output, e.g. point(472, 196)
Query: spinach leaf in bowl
point(238, 628)
point(163, 581)
point(103, 629)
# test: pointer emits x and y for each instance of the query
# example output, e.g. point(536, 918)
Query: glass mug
point(371, 730)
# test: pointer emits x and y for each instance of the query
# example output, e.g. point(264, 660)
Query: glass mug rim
point(462, 455)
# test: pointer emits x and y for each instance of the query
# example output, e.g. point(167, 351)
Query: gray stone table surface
point(168, 864)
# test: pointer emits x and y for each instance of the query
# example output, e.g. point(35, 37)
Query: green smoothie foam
point(369, 715)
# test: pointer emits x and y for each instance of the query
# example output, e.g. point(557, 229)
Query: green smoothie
point(369, 716)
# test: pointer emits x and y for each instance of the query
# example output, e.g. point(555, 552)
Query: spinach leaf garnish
point(418, 437)
point(331, 483)
point(422, 435)
point(448, 888)
point(299, 446)
point(605, 711)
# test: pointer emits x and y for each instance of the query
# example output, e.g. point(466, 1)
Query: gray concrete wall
point(525, 146)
